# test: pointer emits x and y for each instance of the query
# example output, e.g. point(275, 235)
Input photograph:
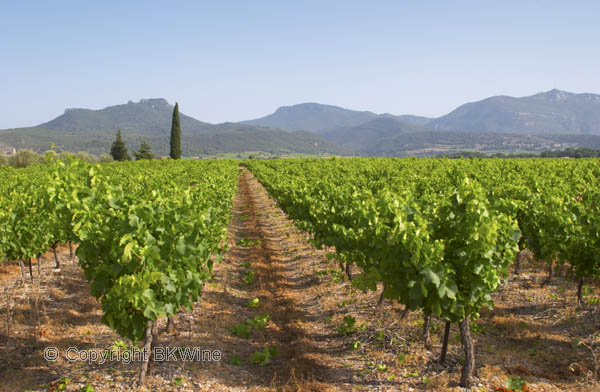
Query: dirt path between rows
point(285, 279)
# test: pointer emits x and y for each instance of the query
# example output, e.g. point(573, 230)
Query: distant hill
point(94, 130)
point(389, 136)
point(149, 116)
point(359, 138)
point(319, 118)
point(312, 117)
point(551, 112)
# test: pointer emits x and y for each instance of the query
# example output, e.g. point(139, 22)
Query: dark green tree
point(176, 134)
point(145, 151)
point(118, 149)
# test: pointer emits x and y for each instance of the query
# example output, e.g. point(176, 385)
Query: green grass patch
point(263, 358)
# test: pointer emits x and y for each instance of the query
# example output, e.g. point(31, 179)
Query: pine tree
point(175, 134)
point(118, 149)
point(145, 151)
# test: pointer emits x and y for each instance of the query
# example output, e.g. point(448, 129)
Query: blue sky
point(237, 60)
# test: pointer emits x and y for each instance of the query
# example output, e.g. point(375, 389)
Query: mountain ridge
point(550, 112)
point(152, 115)
point(312, 117)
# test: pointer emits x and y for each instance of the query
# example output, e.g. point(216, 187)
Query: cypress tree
point(175, 134)
point(118, 149)
point(145, 151)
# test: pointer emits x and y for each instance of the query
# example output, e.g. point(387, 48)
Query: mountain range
point(551, 112)
point(550, 120)
point(150, 119)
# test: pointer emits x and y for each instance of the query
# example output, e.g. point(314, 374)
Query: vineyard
point(309, 274)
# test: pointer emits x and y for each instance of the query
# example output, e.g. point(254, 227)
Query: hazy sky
point(231, 61)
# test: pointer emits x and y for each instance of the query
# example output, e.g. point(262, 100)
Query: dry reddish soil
point(538, 334)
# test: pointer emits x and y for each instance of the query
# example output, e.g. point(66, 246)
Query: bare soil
point(538, 334)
